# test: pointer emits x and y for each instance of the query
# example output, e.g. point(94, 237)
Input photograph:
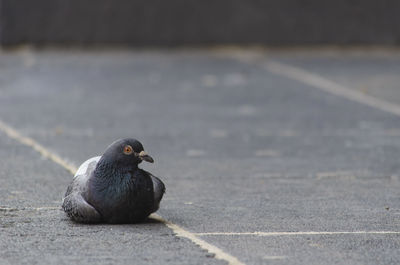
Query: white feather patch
point(84, 167)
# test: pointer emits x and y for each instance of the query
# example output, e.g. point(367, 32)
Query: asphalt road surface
point(269, 157)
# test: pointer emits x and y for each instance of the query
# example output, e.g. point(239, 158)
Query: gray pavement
point(239, 148)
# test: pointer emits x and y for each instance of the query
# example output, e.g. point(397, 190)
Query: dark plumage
point(112, 188)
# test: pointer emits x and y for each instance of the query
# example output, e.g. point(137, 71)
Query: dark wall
point(180, 22)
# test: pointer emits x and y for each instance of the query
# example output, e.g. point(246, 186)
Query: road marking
point(309, 233)
point(7, 209)
point(44, 208)
point(179, 231)
point(326, 85)
point(47, 208)
point(14, 134)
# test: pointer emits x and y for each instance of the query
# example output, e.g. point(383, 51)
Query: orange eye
point(128, 150)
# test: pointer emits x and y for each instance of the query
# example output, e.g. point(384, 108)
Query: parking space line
point(44, 208)
point(14, 134)
point(178, 231)
point(329, 86)
point(307, 233)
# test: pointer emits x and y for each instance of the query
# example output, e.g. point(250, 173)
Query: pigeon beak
point(145, 157)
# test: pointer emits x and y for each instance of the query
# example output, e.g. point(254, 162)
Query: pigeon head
point(125, 153)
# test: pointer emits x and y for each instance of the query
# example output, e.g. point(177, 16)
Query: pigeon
point(112, 188)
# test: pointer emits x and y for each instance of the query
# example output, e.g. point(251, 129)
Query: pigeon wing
point(159, 190)
point(79, 210)
point(74, 203)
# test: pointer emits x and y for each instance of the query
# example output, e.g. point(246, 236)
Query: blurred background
point(175, 22)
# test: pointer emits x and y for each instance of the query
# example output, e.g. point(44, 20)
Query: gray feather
point(159, 190)
point(74, 203)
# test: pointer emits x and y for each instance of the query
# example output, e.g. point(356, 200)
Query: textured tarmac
point(240, 148)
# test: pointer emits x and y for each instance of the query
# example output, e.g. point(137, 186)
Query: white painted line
point(11, 209)
point(47, 208)
point(326, 85)
point(179, 231)
point(309, 233)
point(7, 209)
point(14, 134)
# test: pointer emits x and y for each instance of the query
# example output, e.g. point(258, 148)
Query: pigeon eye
point(128, 150)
